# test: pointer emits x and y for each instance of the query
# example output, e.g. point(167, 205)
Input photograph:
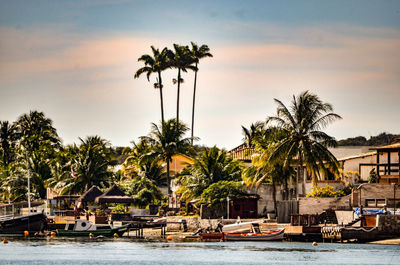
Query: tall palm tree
point(182, 60)
point(167, 140)
point(157, 63)
point(303, 122)
point(197, 54)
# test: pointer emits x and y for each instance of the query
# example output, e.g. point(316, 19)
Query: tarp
point(370, 211)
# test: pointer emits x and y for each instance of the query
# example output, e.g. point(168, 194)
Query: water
point(123, 251)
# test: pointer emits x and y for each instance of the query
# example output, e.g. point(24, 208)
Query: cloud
point(356, 69)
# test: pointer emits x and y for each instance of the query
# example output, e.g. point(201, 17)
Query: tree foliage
point(303, 122)
point(218, 192)
point(211, 166)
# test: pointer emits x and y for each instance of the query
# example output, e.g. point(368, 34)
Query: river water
point(126, 251)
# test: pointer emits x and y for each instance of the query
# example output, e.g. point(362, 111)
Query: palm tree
point(140, 163)
point(90, 163)
point(197, 54)
point(167, 140)
point(183, 60)
point(251, 133)
point(7, 143)
point(156, 64)
point(263, 171)
point(302, 122)
point(37, 142)
point(211, 166)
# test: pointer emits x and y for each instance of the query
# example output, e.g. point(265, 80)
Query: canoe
point(211, 236)
point(98, 232)
point(268, 236)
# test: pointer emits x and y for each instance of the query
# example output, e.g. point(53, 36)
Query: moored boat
point(265, 236)
point(85, 228)
point(18, 224)
point(211, 236)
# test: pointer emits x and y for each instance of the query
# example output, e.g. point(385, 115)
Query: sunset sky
point(75, 61)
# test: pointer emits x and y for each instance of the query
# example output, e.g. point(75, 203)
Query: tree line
point(380, 139)
point(285, 145)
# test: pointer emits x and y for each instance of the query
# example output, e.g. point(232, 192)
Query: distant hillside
point(381, 139)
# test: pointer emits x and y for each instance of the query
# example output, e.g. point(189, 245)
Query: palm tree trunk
point(161, 96)
point(286, 188)
point(274, 196)
point(177, 98)
point(301, 174)
point(194, 101)
point(168, 187)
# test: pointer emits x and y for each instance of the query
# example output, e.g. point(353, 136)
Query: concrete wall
point(377, 192)
point(319, 205)
point(266, 203)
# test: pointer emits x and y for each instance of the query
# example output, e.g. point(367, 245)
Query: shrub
point(324, 192)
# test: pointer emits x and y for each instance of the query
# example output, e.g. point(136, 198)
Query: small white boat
point(81, 227)
point(240, 227)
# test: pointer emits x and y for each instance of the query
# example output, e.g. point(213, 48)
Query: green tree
point(167, 140)
point(262, 170)
point(197, 54)
point(38, 143)
point(144, 163)
point(182, 60)
point(218, 192)
point(157, 63)
point(211, 166)
point(91, 165)
point(251, 133)
point(7, 143)
point(302, 122)
point(142, 190)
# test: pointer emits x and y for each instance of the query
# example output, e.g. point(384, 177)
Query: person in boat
point(199, 231)
point(218, 229)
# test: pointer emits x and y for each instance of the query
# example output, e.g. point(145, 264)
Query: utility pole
point(29, 183)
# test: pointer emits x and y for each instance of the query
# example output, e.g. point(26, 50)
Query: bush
point(218, 192)
point(325, 192)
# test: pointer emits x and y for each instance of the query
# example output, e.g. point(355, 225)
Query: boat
point(240, 227)
point(211, 236)
point(264, 236)
point(19, 224)
point(81, 227)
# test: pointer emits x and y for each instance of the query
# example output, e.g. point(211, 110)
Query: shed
point(90, 195)
point(114, 195)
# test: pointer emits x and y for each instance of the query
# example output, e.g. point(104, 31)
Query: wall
point(375, 191)
point(319, 205)
point(353, 164)
point(388, 223)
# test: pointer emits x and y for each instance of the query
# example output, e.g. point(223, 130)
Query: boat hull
point(275, 235)
point(99, 232)
point(211, 236)
point(16, 225)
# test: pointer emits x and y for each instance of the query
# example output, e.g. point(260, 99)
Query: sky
point(75, 61)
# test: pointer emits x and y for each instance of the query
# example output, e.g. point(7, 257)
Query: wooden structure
point(245, 207)
point(242, 153)
point(114, 195)
point(388, 172)
point(90, 195)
